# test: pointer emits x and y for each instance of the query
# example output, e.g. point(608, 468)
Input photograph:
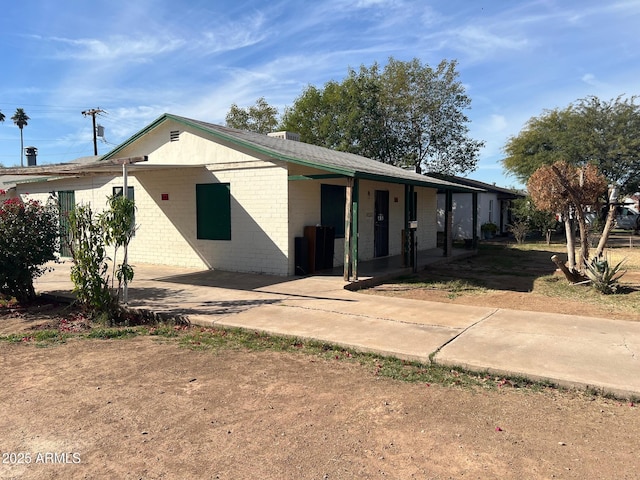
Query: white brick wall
point(267, 209)
point(304, 204)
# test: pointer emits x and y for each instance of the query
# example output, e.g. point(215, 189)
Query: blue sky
point(139, 59)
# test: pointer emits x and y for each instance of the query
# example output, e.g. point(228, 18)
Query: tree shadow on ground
point(496, 267)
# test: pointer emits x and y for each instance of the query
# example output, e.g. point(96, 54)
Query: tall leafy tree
point(427, 114)
point(587, 132)
point(20, 118)
point(258, 118)
point(407, 114)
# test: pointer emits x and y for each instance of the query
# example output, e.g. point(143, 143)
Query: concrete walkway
point(565, 349)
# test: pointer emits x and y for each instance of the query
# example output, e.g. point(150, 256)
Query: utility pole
point(93, 112)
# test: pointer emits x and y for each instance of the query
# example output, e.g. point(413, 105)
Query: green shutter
point(213, 211)
point(332, 205)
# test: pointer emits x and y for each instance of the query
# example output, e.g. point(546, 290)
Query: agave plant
point(603, 276)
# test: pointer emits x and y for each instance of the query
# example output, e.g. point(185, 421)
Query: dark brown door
point(381, 224)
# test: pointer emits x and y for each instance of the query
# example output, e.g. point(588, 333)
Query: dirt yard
point(149, 409)
point(146, 408)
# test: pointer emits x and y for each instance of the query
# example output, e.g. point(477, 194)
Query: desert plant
point(604, 278)
point(28, 240)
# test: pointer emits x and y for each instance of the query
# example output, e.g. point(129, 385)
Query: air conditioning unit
point(285, 135)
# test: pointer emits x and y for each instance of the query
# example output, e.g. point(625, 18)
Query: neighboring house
point(212, 197)
point(493, 206)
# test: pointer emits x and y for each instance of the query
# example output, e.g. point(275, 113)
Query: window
point(213, 211)
point(117, 191)
point(332, 204)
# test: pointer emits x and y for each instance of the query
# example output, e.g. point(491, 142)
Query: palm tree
point(1, 117)
point(20, 119)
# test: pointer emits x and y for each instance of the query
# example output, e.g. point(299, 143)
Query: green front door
point(67, 202)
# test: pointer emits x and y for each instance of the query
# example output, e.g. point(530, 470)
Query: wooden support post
point(355, 200)
point(406, 245)
point(474, 228)
point(348, 211)
point(448, 224)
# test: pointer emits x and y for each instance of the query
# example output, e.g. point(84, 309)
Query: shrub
point(28, 240)
point(519, 230)
point(89, 271)
point(604, 278)
point(90, 236)
point(489, 227)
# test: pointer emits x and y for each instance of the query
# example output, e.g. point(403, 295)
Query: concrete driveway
point(564, 349)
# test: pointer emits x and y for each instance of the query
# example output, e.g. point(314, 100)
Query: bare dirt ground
point(146, 408)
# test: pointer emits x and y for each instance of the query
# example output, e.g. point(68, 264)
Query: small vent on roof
point(285, 135)
point(174, 135)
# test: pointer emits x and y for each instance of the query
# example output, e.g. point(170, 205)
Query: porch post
point(448, 224)
point(407, 217)
point(125, 193)
point(348, 209)
point(355, 200)
point(474, 207)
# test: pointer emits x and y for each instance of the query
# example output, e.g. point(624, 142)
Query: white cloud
point(480, 42)
point(116, 48)
point(591, 80)
point(232, 36)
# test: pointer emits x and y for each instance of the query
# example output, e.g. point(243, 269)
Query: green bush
point(90, 236)
point(28, 239)
point(90, 267)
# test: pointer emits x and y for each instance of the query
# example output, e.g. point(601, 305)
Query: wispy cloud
point(478, 42)
point(246, 32)
point(115, 48)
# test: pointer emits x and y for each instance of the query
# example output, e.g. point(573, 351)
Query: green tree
point(90, 263)
point(117, 222)
point(588, 131)
point(20, 118)
point(28, 240)
point(407, 114)
point(427, 111)
point(90, 236)
point(524, 210)
point(259, 118)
